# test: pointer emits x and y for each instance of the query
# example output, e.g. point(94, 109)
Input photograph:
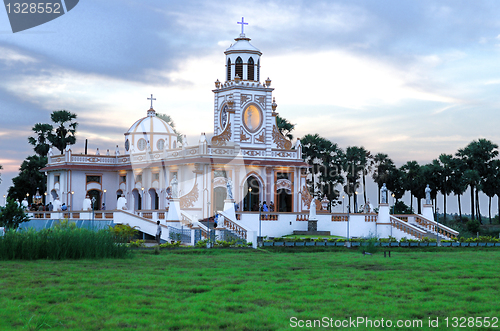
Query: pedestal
point(428, 212)
point(229, 209)
point(174, 210)
point(383, 221)
point(312, 225)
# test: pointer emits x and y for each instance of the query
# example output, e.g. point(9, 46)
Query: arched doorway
point(137, 199)
point(284, 203)
point(220, 194)
point(154, 199)
point(252, 189)
point(53, 193)
point(95, 194)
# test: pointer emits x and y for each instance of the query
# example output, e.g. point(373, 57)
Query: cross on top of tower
point(243, 23)
point(151, 100)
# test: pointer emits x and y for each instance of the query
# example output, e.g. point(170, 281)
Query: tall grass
point(60, 244)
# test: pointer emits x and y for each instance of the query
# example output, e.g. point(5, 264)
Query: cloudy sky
point(412, 79)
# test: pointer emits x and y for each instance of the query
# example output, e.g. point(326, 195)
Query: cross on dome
point(243, 23)
point(151, 100)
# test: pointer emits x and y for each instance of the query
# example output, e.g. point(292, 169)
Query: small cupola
point(243, 59)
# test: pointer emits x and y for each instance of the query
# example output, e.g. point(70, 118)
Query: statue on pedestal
point(312, 209)
point(383, 195)
point(121, 204)
point(428, 195)
point(87, 204)
point(229, 187)
point(174, 184)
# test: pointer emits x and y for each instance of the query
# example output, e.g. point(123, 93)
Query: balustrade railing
point(434, 226)
point(233, 227)
point(407, 228)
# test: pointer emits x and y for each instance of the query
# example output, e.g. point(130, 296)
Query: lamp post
point(72, 192)
point(348, 216)
point(394, 201)
point(343, 202)
point(104, 197)
point(45, 199)
point(93, 211)
point(437, 227)
point(142, 198)
point(4, 200)
point(260, 219)
point(356, 202)
point(250, 200)
point(208, 225)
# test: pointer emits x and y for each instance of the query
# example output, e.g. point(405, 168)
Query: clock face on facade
point(252, 118)
point(223, 117)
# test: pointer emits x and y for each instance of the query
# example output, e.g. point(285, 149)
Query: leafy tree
point(12, 215)
point(491, 182)
point(382, 170)
point(29, 179)
point(458, 181)
point(1, 174)
point(356, 165)
point(446, 163)
point(65, 129)
point(41, 140)
point(477, 156)
point(314, 151)
point(170, 121)
point(395, 183)
point(330, 174)
point(401, 208)
point(285, 127)
point(412, 180)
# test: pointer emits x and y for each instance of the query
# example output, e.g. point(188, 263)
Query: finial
point(151, 100)
point(217, 84)
point(237, 78)
point(268, 82)
point(274, 105)
point(243, 23)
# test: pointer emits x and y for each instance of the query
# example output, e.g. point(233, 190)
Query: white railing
point(233, 227)
point(407, 228)
point(436, 227)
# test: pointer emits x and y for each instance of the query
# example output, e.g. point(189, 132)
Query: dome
point(150, 133)
point(243, 46)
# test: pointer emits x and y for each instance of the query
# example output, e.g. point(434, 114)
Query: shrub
point(59, 244)
point(199, 244)
point(137, 243)
point(473, 226)
point(319, 239)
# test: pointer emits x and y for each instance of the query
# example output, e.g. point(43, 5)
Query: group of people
point(264, 207)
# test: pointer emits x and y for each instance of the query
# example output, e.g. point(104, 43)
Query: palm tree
point(382, 169)
point(1, 174)
point(65, 131)
point(285, 127)
point(41, 141)
point(477, 155)
point(458, 182)
point(412, 181)
point(314, 151)
point(491, 182)
point(446, 164)
point(357, 160)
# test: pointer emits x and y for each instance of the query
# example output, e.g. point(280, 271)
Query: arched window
point(258, 70)
point(239, 68)
point(251, 68)
point(228, 70)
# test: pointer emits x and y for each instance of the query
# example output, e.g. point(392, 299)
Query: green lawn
point(245, 289)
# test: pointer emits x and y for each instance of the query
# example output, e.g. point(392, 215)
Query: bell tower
point(244, 109)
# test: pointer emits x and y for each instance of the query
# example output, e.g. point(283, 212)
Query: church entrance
point(220, 194)
point(251, 200)
point(284, 201)
point(154, 199)
point(95, 194)
point(137, 200)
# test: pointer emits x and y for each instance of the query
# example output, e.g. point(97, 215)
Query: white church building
point(246, 162)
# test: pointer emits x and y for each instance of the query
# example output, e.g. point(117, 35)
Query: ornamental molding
point(220, 182)
point(280, 141)
point(244, 137)
point(261, 99)
point(284, 184)
point(223, 138)
point(261, 138)
point(245, 98)
point(189, 199)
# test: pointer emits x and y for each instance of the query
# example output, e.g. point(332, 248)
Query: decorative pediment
point(189, 199)
point(280, 141)
point(261, 137)
point(223, 138)
point(245, 98)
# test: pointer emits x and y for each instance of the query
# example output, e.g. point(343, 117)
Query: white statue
point(17, 202)
point(312, 209)
point(87, 204)
point(367, 207)
point(107, 152)
point(174, 184)
point(383, 198)
point(121, 204)
point(97, 152)
point(229, 187)
point(428, 195)
point(117, 151)
point(57, 205)
point(25, 204)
